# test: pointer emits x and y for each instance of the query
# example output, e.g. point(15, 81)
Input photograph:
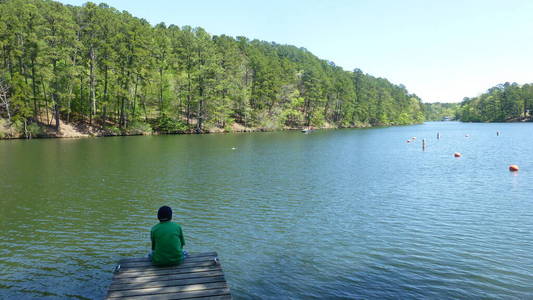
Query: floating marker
point(466, 135)
point(514, 168)
point(457, 154)
point(408, 141)
point(233, 148)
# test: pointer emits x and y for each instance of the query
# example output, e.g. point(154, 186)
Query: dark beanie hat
point(164, 213)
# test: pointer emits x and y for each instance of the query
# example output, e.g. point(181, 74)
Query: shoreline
point(71, 131)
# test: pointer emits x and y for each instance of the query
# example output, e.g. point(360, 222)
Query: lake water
point(354, 213)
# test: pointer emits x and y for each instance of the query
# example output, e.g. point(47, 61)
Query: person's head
point(164, 213)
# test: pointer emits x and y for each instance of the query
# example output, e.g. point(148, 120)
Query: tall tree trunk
point(36, 111)
point(8, 112)
point(161, 91)
point(26, 133)
point(188, 111)
point(104, 114)
point(189, 98)
point(134, 104)
point(92, 84)
point(106, 97)
point(144, 106)
point(69, 101)
point(116, 108)
point(56, 110)
point(4, 98)
point(199, 116)
point(55, 98)
point(82, 111)
point(121, 112)
point(45, 101)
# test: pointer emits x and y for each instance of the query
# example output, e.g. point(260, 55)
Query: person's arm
point(182, 240)
point(152, 239)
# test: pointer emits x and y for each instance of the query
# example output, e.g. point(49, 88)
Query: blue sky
point(440, 50)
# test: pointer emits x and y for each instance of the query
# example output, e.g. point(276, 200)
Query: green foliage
point(4, 129)
point(34, 130)
point(404, 119)
point(317, 118)
point(139, 128)
point(228, 123)
point(291, 117)
point(17, 128)
point(165, 124)
point(438, 111)
point(504, 102)
point(113, 130)
point(96, 64)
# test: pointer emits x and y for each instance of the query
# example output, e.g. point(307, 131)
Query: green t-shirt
point(167, 244)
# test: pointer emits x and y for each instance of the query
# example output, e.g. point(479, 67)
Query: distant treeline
point(97, 65)
point(438, 111)
point(504, 102)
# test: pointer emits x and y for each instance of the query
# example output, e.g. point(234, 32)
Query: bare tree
point(4, 98)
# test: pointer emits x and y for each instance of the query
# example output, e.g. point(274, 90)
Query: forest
point(112, 73)
point(437, 111)
point(508, 102)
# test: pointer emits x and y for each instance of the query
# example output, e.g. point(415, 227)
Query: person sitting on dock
point(167, 240)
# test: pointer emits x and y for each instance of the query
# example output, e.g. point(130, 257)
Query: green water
point(332, 214)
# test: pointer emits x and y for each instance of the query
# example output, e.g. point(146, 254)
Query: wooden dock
point(199, 277)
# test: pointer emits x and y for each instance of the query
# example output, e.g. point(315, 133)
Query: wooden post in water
point(423, 144)
point(438, 135)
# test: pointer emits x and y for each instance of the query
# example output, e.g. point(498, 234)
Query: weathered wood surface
point(198, 277)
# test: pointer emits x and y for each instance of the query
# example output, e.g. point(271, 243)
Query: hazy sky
point(440, 50)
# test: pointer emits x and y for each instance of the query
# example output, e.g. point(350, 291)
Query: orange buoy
point(457, 154)
point(513, 168)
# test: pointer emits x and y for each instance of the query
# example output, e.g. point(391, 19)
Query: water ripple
point(335, 214)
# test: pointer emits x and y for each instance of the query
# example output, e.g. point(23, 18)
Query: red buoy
point(513, 168)
point(457, 154)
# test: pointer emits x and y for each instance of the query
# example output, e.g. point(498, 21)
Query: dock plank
point(167, 271)
point(198, 277)
point(148, 262)
point(167, 289)
point(192, 255)
point(184, 265)
point(145, 279)
point(163, 283)
point(197, 295)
